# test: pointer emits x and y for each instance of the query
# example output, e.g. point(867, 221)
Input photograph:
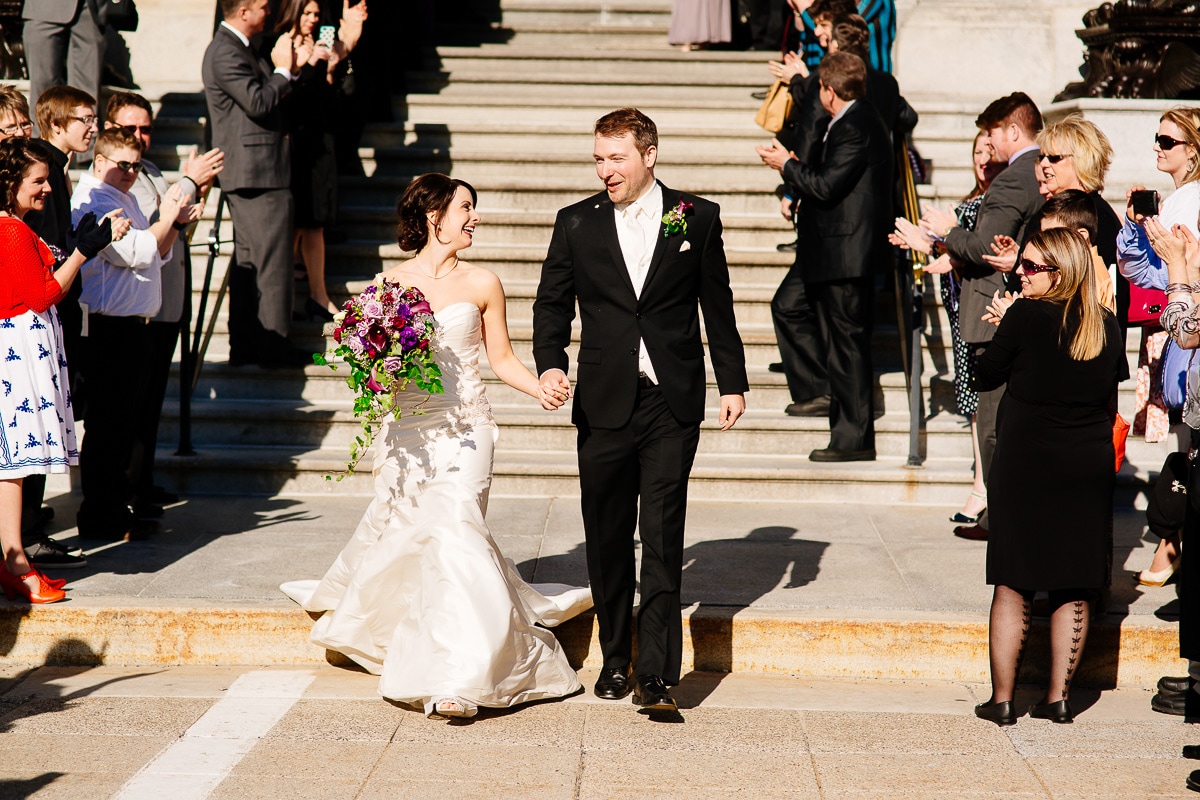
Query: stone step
point(493, 92)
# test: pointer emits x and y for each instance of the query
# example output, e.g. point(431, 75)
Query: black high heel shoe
point(1000, 713)
point(1058, 711)
point(313, 312)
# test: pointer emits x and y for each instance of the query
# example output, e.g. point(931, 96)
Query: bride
point(421, 595)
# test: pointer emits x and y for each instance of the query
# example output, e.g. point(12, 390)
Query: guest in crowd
point(14, 113)
point(695, 24)
point(64, 45)
point(1076, 210)
point(1179, 253)
point(1059, 354)
point(132, 114)
point(122, 291)
point(911, 236)
point(845, 214)
point(1177, 147)
point(767, 19)
point(310, 125)
point(38, 426)
point(1008, 207)
point(245, 95)
point(66, 118)
point(815, 18)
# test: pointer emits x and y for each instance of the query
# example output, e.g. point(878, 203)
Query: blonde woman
point(1177, 153)
point(1051, 484)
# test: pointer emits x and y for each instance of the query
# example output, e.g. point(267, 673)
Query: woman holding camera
point(1061, 355)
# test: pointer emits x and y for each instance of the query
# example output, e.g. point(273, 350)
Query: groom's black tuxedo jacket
point(584, 261)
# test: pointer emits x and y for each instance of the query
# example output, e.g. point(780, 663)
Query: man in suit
point(797, 329)
point(244, 97)
point(845, 214)
point(1012, 201)
point(637, 257)
point(64, 44)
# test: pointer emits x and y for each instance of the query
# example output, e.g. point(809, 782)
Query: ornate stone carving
point(1140, 48)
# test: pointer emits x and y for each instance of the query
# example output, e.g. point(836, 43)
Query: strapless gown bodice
point(421, 595)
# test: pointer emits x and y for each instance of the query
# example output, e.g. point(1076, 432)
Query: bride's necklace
point(438, 277)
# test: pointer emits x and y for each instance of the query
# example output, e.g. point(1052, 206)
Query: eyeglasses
point(125, 166)
point(1053, 159)
point(1033, 268)
point(133, 130)
point(89, 120)
point(1166, 142)
point(16, 128)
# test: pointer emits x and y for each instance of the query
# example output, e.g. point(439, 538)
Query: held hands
point(1004, 254)
point(910, 237)
point(774, 156)
point(996, 308)
point(732, 407)
point(555, 389)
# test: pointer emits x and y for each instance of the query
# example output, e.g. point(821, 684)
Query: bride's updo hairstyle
point(434, 192)
point(17, 155)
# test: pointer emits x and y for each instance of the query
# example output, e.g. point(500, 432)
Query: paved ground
point(232, 733)
point(761, 555)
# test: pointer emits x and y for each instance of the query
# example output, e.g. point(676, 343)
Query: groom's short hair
point(616, 124)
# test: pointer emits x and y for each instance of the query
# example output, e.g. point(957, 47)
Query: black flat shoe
point(652, 694)
point(1058, 711)
point(613, 683)
point(833, 455)
point(1170, 685)
point(1000, 713)
point(960, 518)
point(1193, 781)
point(1192, 751)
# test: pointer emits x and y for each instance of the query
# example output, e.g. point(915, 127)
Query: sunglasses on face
point(1166, 142)
point(125, 166)
point(1033, 268)
point(1053, 159)
point(134, 130)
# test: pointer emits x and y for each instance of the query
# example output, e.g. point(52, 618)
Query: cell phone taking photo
point(1144, 203)
point(326, 35)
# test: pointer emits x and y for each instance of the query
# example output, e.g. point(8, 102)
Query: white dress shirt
point(638, 225)
point(125, 279)
point(148, 190)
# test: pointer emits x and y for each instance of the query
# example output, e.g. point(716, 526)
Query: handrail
point(914, 281)
point(191, 356)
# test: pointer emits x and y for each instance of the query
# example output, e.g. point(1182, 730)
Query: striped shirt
point(880, 16)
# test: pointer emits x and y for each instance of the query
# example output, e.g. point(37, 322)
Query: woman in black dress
point(1061, 354)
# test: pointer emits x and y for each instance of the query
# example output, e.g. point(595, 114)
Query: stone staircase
point(514, 118)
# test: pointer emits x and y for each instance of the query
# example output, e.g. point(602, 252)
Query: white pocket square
point(683, 248)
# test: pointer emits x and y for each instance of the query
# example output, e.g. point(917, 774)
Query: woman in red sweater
point(37, 427)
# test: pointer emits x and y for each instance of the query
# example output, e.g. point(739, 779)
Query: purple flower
point(373, 309)
point(393, 364)
point(421, 307)
point(408, 339)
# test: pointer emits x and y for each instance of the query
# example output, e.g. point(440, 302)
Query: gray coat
point(244, 95)
point(1010, 203)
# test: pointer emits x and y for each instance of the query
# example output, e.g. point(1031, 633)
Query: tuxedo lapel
point(663, 243)
point(608, 226)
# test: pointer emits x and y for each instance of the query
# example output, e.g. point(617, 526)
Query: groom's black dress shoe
point(613, 683)
point(652, 694)
point(831, 454)
point(1171, 685)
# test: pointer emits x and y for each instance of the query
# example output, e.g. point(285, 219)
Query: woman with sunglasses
point(1177, 147)
point(1051, 486)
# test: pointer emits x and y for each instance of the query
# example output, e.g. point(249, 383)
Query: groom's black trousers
point(650, 456)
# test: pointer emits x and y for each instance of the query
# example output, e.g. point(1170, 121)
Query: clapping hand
point(1177, 248)
point(1004, 254)
point(283, 54)
point(555, 389)
point(201, 169)
point(940, 265)
point(774, 156)
point(999, 304)
point(791, 66)
point(910, 237)
point(936, 221)
point(353, 17)
point(89, 237)
point(121, 224)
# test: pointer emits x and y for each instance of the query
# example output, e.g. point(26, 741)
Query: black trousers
point(845, 311)
point(116, 407)
point(766, 23)
point(651, 458)
point(163, 337)
point(260, 286)
point(801, 338)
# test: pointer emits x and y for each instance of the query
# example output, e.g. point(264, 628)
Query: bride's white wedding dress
point(421, 595)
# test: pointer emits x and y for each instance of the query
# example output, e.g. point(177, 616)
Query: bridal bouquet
point(384, 335)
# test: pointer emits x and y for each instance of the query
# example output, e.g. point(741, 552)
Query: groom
point(637, 257)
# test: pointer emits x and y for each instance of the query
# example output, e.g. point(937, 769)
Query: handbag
point(775, 109)
point(121, 15)
point(1120, 432)
point(1145, 305)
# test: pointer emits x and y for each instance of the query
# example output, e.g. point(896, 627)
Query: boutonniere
point(674, 220)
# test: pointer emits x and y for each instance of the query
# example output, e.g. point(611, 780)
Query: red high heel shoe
point(53, 583)
point(15, 587)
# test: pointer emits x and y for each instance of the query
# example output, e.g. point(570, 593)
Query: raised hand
point(1000, 304)
point(353, 17)
point(774, 156)
point(283, 54)
point(202, 169)
point(89, 237)
point(940, 265)
point(937, 221)
point(1004, 254)
point(910, 237)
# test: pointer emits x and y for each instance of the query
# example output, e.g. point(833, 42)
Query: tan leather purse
point(775, 108)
